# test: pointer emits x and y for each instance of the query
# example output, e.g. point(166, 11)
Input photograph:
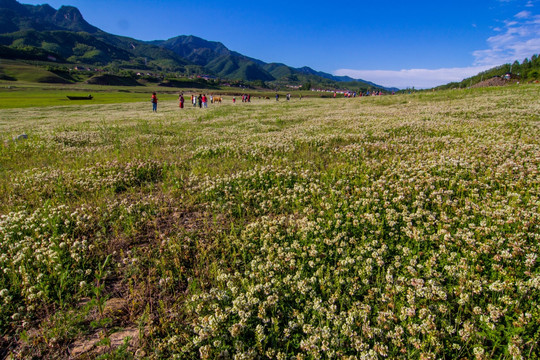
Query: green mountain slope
point(194, 49)
point(77, 47)
point(234, 67)
point(216, 58)
point(68, 36)
point(278, 71)
point(15, 16)
point(36, 32)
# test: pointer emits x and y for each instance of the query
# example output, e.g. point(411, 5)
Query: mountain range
point(42, 32)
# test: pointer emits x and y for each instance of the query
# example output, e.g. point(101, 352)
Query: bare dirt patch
point(91, 346)
point(494, 81)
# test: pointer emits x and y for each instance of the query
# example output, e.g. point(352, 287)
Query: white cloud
point(523, 15)
point(418, 78)
point(518, 39)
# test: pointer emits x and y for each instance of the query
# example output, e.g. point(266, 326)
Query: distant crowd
point(202, 99)
point(360, 94)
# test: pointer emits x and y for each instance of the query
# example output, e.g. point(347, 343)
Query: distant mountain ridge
point(67, 35)
point(15, 16)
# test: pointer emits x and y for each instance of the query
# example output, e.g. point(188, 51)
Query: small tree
point(306, 86)
point(533, 74)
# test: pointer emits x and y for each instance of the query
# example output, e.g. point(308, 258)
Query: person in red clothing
point(181, 101)
point(205, 101)
point(154, 102)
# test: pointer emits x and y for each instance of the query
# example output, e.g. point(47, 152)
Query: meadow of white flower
point(393, 227)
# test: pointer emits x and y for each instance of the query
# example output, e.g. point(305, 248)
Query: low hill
point(113, 80)
point(528, 70)
point(19, 71)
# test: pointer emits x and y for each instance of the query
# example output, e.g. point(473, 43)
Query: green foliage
point(189, 83)
point(113, 80)
point(526, 71)
point(24, 52)
point(306, 86)
point(53, 48)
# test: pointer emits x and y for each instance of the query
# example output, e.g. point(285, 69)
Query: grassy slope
point(28, 73)
point(349, 206)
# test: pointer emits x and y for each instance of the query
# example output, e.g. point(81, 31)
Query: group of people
point(245, 98)
point(288, 97)
point(201, 100)
point(360, 94)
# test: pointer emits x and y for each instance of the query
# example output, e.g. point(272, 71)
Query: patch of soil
point(494, 81)
point(5, 344)
point(90, 347)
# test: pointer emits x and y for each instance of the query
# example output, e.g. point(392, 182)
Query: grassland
point(17, 97)
point(392, 227)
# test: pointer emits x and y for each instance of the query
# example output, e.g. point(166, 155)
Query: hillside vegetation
point(400, 227)
point(527, 71)
point(19, 71)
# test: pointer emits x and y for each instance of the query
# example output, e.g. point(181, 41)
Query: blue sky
point(392, 43)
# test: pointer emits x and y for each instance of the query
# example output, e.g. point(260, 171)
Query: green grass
point(15, 97)
point(402, 226)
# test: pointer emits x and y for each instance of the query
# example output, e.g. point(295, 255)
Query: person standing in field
point(181, 101)
point(205, 101)
point(200, 101)
point(154, 102)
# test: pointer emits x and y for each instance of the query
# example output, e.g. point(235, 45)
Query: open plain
point(403, 226)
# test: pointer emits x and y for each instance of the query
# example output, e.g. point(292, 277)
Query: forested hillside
point(528, 70)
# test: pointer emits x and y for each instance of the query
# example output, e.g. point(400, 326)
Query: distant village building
point(82, 68)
